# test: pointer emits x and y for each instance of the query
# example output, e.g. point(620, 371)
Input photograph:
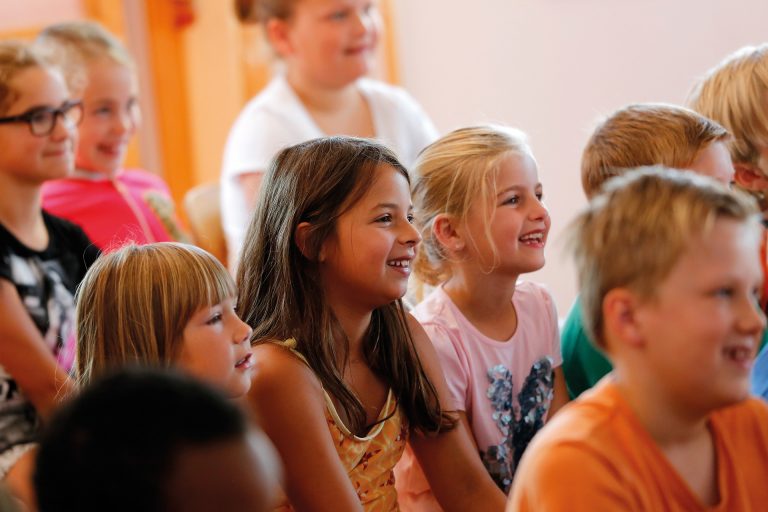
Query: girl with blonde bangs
point(344, 376)
point(478, 204)
point(164, 304)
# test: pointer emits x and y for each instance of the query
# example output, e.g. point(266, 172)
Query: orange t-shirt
point(595, 455)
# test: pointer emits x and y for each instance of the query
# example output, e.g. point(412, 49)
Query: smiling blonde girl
point(478, 204)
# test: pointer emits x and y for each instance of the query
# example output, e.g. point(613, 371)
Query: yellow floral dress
point(368, 460)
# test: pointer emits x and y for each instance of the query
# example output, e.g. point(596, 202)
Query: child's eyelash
point(214, 319)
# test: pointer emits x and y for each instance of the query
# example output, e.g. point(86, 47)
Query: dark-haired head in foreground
point(145, 440)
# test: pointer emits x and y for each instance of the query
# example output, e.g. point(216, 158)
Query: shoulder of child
point(72, 237)
point(584, 480)
point(277, 367)
point(745, 422)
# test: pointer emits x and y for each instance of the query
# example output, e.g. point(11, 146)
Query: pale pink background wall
point(553, 67)
point(23, 14)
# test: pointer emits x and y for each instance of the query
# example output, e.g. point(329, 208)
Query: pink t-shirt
point(135, 206)
point(504, 387)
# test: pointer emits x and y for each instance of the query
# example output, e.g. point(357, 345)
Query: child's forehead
point(515, 168)
point(36, 86)
point(386, 185)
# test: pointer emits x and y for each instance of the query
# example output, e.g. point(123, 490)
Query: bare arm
point(251, 184)
point(449, 460)
point(560, 393)
point(24, 354)
point(288, 401)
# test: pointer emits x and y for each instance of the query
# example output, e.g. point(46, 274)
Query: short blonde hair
point(449, 176)
point(15, 56)
point(632, 234)
point(735, 94)
point(645, 134)
point(134, 303)
point(72, 45)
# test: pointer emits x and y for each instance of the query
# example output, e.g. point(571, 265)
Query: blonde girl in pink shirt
point(478, 203)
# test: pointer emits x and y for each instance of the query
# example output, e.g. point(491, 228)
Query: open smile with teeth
point(533, 238)
point(399, 263)
point(741, 355)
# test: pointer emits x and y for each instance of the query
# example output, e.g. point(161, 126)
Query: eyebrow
point(389, 206)
point(517, 187)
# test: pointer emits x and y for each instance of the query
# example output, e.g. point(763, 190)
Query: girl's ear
point(444, 229)
point(621, 319)
point(300, 238)
point(278, 34)
point(749, 177)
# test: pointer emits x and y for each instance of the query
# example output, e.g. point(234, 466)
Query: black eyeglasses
point(42, 120)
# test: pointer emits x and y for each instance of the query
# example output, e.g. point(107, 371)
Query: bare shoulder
point(279, 375)
point(277, 363)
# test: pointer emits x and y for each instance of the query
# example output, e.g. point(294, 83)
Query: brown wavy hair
point(281, 294)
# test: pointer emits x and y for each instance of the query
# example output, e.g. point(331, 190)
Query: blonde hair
point(15, 56)
point(134, 303)
point(74, 44)
point(645, 134)
point(734, 94)
point(449, 176)
point(632, 234)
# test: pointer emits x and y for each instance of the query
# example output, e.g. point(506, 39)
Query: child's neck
point(681, 433)
point(319, 98)
point(485, 299)
point(21, 213)
point(668, 421)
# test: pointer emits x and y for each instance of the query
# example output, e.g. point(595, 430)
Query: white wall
point(554, 67)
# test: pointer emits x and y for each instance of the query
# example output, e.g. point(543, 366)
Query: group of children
point(367, 403)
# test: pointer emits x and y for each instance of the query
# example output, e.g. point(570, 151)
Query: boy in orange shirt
point(669, 273)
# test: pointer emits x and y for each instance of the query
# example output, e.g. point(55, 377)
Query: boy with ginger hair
point(633, 136)
point(668, 268)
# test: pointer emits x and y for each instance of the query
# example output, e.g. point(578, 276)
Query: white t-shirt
point(276, 118)
point(504, 387)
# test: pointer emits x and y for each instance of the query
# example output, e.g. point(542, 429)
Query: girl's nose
point(244, 332)
point(410, 234)
point(751, 319)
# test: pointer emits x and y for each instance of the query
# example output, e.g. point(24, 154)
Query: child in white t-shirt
point(478, 203)
point(326, 48)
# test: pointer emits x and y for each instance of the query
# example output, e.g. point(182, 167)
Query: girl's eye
point(724, 292)
point(339, 15)
point(103, 111)
point(216, 318)
point(385, 218)
point(512, 200)
point(410, 218)
point(540, 196)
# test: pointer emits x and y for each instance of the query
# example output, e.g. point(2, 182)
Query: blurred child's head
point(39, 143)
point(654, 134)
point(333, 228)
point(477, 197)
point(153, 441)
point(163, 304)
point(101, 72)
point(669, 271)
point(329, 42)
point(735, 94)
